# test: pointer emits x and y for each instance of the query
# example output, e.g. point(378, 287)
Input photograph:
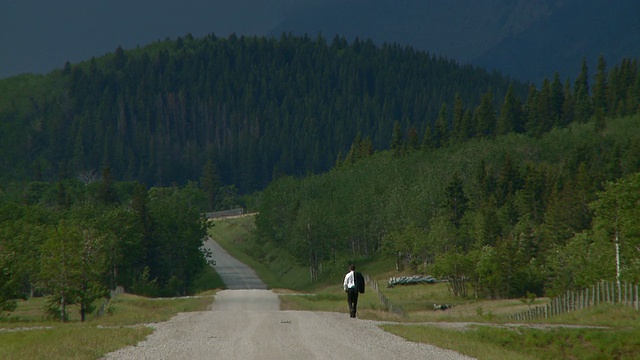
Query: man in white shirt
point(349, 285)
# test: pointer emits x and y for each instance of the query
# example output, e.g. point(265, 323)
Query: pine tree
point(557, 100)
point(508, 182)
point(568, 105)
point(354, 151)
point(600, 88)
point(456, 200)
point(510, 118)
point(633, 96)
point(414, 141)
point(583, 110)
point(533, 195)
point(441, 128)
point(427, 140)
point(532, 112)
point(485, 116)
point(546, 118)
point(468, 130)
point(457, 120)
point(397, 141)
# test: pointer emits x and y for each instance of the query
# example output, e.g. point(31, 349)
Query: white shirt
point(349, 281)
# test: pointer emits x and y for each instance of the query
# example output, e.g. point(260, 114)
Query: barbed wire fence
point(602, 292)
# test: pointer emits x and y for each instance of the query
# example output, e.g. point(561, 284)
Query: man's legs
point(352, 298)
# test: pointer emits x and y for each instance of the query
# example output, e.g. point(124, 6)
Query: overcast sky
point(40, 35)
point(526, 39)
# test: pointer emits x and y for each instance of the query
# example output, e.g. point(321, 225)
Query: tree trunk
point(618, 265)
point(63, 307)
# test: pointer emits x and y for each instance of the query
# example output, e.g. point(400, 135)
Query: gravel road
point(245, 323)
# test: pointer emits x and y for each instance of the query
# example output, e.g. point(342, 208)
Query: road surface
point(245, 323)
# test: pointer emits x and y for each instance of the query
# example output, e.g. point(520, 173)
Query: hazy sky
point(40, 35)
point(526, 39)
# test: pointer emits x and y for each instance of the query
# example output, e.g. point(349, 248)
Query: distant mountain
point(40, 35)
point(526, 39)
point(560, 40)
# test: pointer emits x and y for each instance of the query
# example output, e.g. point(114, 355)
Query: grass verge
point(497, 343)
point(71, 341)
point(26, 334)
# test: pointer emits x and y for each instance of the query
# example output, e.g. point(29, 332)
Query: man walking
point(349, 285)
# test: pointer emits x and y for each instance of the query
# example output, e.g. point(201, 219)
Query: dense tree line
point(72, 242)
point(521, 212)
point(256, 107)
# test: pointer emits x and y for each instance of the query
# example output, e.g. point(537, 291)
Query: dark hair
point(352, 267)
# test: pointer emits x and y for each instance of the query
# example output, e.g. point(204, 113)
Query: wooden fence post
point(601, 292)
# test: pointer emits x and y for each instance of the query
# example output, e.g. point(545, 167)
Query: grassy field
point(26, 334)
point(538, 341)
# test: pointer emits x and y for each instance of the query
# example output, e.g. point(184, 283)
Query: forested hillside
point(256, 107)
point(501, 187)
point(532, 201)
point(497, 218)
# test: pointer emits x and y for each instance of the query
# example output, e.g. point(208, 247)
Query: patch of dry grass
point(27, 334)
point(68, 341)
point(418, 303)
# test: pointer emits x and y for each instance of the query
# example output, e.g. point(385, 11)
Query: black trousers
point(352, 298)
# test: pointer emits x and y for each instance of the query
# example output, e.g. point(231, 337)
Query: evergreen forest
point(498, 218)
point(258, 108)
point(348, 151)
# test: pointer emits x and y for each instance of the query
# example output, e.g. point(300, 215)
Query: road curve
point(246, 323)
point(235, 274)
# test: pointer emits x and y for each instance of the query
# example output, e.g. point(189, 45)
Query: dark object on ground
point(411, 280)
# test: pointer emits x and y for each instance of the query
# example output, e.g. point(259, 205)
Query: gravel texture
point(237, 328)
point(245, 323)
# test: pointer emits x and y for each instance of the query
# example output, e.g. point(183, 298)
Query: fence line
point(602, 292)
point(383, 299)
